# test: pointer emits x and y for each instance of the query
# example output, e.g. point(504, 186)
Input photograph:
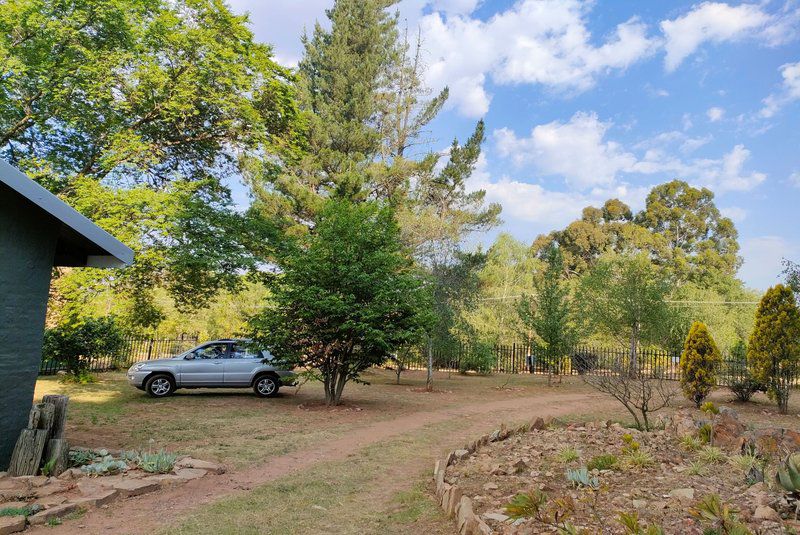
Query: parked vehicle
point(217, 364)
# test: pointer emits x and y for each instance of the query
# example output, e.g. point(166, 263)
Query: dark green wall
point(27, 247)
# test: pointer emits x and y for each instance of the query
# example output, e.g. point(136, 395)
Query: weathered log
point(28, 452)
point(56, 452)
point(41, 416)
point(60, 418)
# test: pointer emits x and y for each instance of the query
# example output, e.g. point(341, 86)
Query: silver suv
point(216, 364)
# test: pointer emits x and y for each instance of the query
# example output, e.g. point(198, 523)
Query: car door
point(205, 365)
point(242, 361)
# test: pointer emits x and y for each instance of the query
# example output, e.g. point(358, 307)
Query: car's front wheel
point(266, 386)
point(160, 386)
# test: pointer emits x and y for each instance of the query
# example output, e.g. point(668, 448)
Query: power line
point(687, 302)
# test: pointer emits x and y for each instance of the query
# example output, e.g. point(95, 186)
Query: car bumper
point(137, 378)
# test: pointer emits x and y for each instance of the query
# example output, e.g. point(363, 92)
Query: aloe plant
point(788, 475)
point(580, 478)
point(106, 465)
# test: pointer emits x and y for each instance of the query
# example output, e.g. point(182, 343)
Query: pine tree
point(774, 347)
point(700, 361)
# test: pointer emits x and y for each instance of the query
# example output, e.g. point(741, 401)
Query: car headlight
point(137, 367)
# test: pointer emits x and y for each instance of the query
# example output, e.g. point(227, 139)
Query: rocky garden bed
point(599, 477)
point(96, 479)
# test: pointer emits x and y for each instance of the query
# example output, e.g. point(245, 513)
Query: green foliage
point(720, 516)
point(20, 511)
point(624, 296)
point(47, 468)
point(745, 463)
point(697, 468)
point(479, 357)
point(606, 461)
point(80, 457)
point(161, 462)
point(774, 347)
point(631, 526)
point(77, 345)
point(704, 433)
point(580, 478)
point(526, 505)
point(629, 445)
point(638, 459)
point(691, 443)
point(134, 112)
point(546, 317)
point(788, 474)
point(700, 361)
point(347, 298)
point(743, 385)
point(568, 454)
point(711, 455)
point(106, 465)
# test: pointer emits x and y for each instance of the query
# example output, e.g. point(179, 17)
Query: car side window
point(244, 351)
point(212, 351)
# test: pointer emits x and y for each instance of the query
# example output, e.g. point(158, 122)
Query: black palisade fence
point(137, 349)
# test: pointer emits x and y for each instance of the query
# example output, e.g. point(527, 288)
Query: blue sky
point(585, 101)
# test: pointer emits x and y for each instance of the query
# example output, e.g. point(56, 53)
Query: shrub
point(568, 455)
point(478, 358)
point(772, 353)
point(699, 363)
point(606, 461)
point(76, 346)
point(580, 478)
point(638, 459)
point(583, 361)
point(712, 455)
point(691, 443)
point(157, 463)
point(697, 468)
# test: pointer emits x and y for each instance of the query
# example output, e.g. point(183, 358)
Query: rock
point(50, 501)
point(189, 474)
point(72, 473)
point(169, 480)
point(683, 423)
point(208, 466)
point(639, 504)
point(54, 512)
point(460, 454)
point(519, 467)
point(134, 487)
point(682, 495)
point(32, 481)
point(97, 499)
point(765, 512)
point(50, 489)
point(728, 430)
point(538, 424)
point(497, 517)
point(490, 486)
point(464, 513)
point(13, 505)
point(11, 524)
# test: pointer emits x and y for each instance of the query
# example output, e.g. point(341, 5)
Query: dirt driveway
point(155, 512)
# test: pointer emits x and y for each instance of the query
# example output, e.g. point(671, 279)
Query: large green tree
point(348, 296)
point(624, 296)
point(135, 112)
point(774, 348)
point(700, 361)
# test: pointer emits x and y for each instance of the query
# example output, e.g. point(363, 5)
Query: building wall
point(27, 247)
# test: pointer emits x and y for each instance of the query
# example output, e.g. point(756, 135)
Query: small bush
point(479, 358)
point(704, 433)
point(157, 463)
point(745, 463)
point(699, 363)
point(697, 468)
point(20, 511)
point(606, 461)
point(712, 455)
point(76, 346)
point(745, 387)
point(638, 459)
point(580, 478)
point(568, 455)
point(526, 505)
point(80, 457)
point(690, 443)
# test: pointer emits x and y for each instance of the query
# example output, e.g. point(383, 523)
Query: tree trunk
point(633, 365)
point(28, 451)
point(429, 380)
point(57, 452)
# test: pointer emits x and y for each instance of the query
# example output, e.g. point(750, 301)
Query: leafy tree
point(348, 296)
point(774, 347)
point(701, 241)
point(699, 363)
point(135, 111)
point(547, 316)
point(624, 296)
point(77, 345)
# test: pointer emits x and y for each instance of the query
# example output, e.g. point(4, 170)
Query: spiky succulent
point(788, 475)
point(580, 478)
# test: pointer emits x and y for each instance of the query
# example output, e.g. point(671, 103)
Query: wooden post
point(28, 451)
point(60, 417)
point(57, 451)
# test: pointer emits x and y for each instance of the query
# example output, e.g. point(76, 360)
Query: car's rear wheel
point(266, 386)
point(160, 385)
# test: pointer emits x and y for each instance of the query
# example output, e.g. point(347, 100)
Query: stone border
point(451, 499)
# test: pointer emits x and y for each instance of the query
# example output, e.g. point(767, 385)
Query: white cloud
point(580, 152)
point(533, 42)
point(762, 260)
point(794, 179)
point(715, 114)
point(735, 213)
point(790, 90)
point(575, 150)
point(710, 21)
